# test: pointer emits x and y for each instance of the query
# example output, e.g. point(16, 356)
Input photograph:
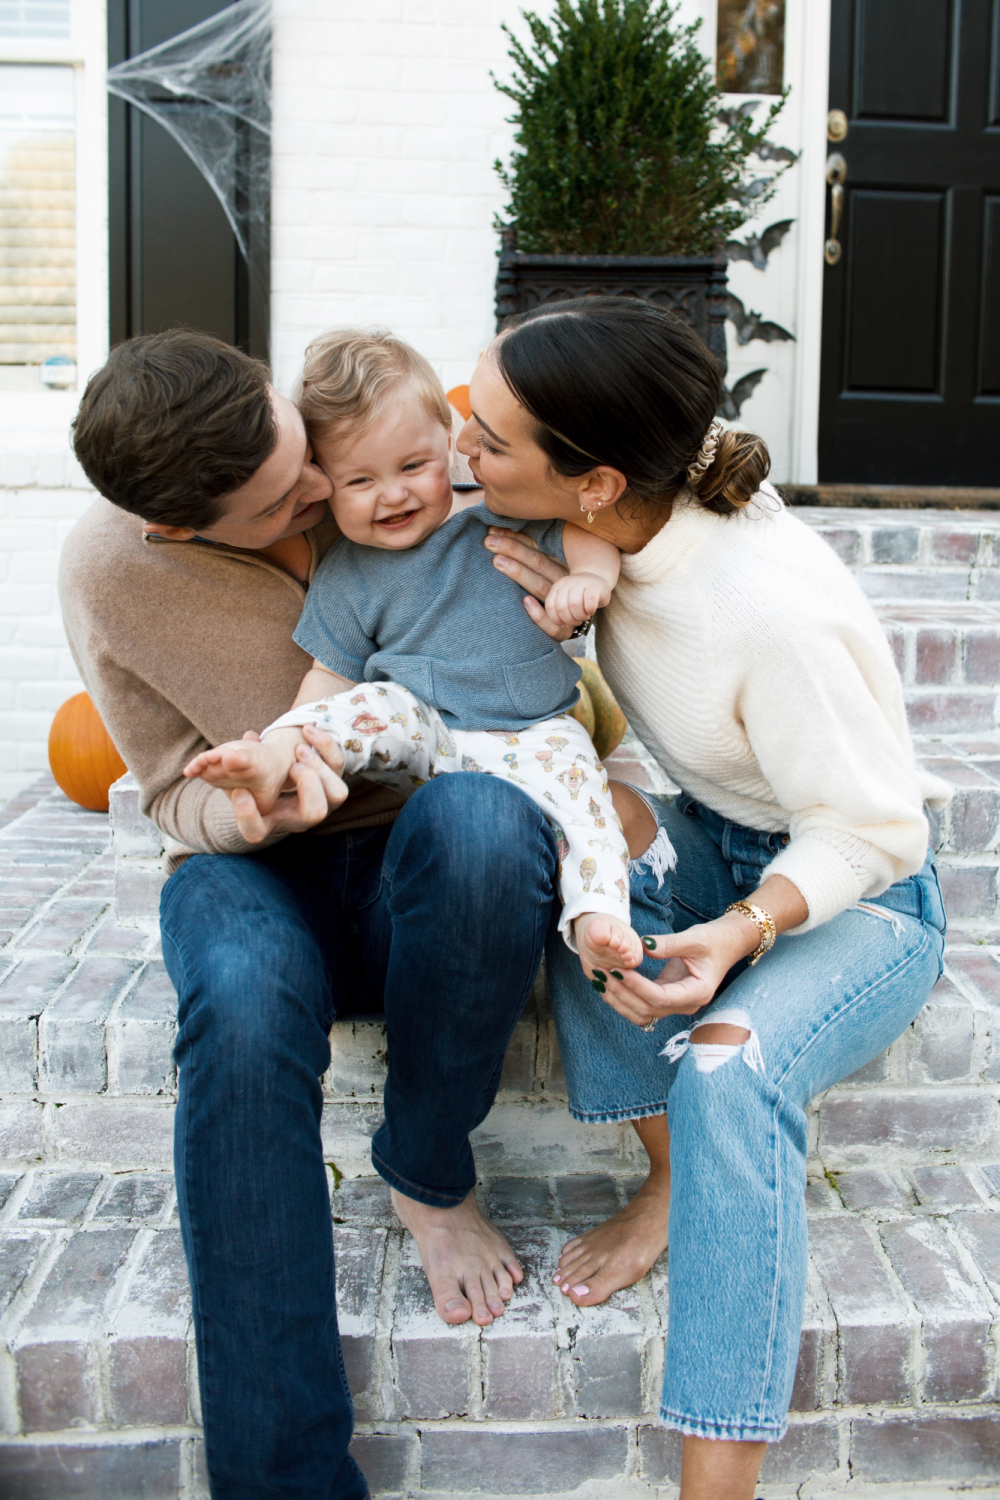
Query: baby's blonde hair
point(349, 373)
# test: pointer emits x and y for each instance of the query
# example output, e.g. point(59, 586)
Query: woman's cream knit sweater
point(753, 668)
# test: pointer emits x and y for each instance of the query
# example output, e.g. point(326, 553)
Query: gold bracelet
point(764, 923)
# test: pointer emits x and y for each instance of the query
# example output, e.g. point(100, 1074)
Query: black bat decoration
point(748, 325)
point(732, 400)
point(767, 152)
point(731, 117)
point(755, 250)
point(751, 190)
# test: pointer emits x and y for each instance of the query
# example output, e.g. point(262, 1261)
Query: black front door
point(174, 260)
point(910, 389)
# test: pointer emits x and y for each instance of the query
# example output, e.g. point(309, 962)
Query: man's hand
point(520, 560)
point(573, 599)
point(317, 791)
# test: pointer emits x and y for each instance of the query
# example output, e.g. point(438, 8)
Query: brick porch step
point(87, 1025)
point(896, 1377)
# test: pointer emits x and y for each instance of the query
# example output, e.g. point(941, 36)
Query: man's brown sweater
point(183, 645)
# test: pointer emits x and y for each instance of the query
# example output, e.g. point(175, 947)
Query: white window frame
point(86, 51)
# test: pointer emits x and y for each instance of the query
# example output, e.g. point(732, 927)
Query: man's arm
point(181, 647)
point(263, 766)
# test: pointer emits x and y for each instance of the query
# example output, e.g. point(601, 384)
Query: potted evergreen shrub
point(627, 175)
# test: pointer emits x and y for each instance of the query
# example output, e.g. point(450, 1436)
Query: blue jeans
point(264, 951)
point(822, 1004)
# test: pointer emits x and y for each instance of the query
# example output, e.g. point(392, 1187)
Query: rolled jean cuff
point(434, 1198)
point(618, 1116)
point(731, 1432)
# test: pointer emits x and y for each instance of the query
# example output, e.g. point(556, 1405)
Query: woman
point(752, 667)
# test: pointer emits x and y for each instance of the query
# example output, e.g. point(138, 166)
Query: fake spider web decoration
point(210, 87)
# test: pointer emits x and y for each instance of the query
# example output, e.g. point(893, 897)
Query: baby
point(425, 659)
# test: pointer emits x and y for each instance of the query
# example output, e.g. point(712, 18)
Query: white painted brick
point(25, 598)
point(31, 697)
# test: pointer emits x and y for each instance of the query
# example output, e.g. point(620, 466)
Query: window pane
point(47, 18)
point(37, 218)
point(751, 46)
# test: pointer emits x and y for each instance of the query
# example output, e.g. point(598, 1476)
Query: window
point(37, 222)
point(35, 18)
point(750, 55)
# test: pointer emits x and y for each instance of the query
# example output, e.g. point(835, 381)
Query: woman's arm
point(699, 959)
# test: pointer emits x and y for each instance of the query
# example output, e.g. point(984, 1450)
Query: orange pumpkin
point(598, 709)
point(458, 397)
point(82, 755)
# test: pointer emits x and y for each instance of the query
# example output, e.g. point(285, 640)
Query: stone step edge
point(390, 1328)
point(860, 1443)
point(876, 497)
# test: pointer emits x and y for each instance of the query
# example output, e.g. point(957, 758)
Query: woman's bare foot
point(619, 1252)
point(471, 1268)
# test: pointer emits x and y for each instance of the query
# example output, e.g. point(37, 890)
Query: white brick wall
point(42, 492)
point(387, 126)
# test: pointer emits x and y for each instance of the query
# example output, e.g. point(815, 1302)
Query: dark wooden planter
point(692, 286)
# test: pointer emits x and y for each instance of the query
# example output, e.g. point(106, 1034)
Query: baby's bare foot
point(619, 1252)
point(606, 943)
point(471, 1268)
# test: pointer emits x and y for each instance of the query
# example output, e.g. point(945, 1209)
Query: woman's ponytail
point(736, 473)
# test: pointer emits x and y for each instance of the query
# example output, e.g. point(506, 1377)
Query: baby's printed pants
point(388, 735)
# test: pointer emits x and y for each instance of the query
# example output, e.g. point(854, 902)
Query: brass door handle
point(836, 176)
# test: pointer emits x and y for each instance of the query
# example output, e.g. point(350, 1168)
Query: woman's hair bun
point(736, 473)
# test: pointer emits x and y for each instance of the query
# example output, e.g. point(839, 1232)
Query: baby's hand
point(573, 599)
point(260, 767)
point(606, 942)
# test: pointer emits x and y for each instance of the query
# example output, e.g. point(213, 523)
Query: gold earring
point(590, 518)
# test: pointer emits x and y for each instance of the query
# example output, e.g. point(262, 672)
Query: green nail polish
point(615, 974)
point(599, 974)
point(598, 986)
point(649, 942)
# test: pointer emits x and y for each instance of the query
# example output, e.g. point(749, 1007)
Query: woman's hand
point(699, 959)
point(697, 962)
point(520, 560)
point(318, 791)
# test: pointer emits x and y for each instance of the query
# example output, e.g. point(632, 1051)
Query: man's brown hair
point(173, 422)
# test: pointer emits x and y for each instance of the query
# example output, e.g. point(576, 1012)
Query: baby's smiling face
point(391, 483)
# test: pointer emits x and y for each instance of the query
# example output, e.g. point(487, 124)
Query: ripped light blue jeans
point(819, 1006)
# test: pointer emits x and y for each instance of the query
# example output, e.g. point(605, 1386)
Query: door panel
point(185, 249)
point(174, 258)
point(903, 69)
point(989, 380)
point(911, 311)
point(895, 311)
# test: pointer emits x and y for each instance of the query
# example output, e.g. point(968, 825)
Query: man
point(181, 589)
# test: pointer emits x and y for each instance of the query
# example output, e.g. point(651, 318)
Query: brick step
point(87, 1025)
point(896, 1379)
point(915, 555)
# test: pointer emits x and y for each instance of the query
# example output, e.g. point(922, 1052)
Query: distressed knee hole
point(729, 1036)
point(715, 1041)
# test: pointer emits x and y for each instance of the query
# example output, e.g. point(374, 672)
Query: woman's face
point(498, 440)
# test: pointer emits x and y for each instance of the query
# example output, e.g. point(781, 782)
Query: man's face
point(286, 495)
